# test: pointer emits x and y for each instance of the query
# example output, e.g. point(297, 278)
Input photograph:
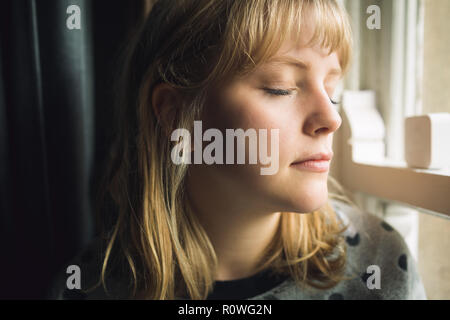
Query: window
point(399, 70)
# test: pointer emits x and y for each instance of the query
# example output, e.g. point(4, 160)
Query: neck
point(239, 232)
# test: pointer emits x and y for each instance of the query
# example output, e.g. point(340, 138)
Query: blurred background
point(401, 173)
point(55, 128)
point(56, 75)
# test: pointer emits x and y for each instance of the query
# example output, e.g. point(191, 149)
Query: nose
point(322, 115)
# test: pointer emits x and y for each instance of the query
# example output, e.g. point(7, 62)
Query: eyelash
point(277, 92)
point(281, 92)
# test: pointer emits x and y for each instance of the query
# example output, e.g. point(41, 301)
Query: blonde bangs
point(332, 30)
point(261, 27)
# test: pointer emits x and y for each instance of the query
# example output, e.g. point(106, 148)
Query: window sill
point(364, 168)
point(424, 189)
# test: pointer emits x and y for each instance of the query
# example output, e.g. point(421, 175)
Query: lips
point(312, 165)
point(321, 156)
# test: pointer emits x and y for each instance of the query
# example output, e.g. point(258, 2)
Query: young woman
point(224, 230)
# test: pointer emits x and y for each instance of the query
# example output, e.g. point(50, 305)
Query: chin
point(309, 203)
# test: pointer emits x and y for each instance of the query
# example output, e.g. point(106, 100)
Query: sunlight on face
point(291, 92)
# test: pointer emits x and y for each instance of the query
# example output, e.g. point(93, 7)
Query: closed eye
point(282, 92)
point(277, 92)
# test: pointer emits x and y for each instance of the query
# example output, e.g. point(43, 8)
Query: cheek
point(288, 190)
point(251, 111)
point(234, 113)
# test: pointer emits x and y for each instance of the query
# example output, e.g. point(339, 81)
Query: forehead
point(297, 50)
point(307, 28)
point(305, 58)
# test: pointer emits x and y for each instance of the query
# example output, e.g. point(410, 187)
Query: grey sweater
point(370, 242)
point(379, 265)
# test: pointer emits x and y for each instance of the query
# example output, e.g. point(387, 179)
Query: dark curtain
point(55, 130)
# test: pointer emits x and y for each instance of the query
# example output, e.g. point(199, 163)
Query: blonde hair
point(154, 237)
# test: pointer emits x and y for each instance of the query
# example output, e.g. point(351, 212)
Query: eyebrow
point(301, 65)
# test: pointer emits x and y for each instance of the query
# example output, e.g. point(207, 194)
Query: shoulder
point(374, 246)
point(77, 279)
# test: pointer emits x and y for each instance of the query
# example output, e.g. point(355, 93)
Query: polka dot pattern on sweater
point(353, 241)
point(403, 262)
point(386, 226)
point(365, 276)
